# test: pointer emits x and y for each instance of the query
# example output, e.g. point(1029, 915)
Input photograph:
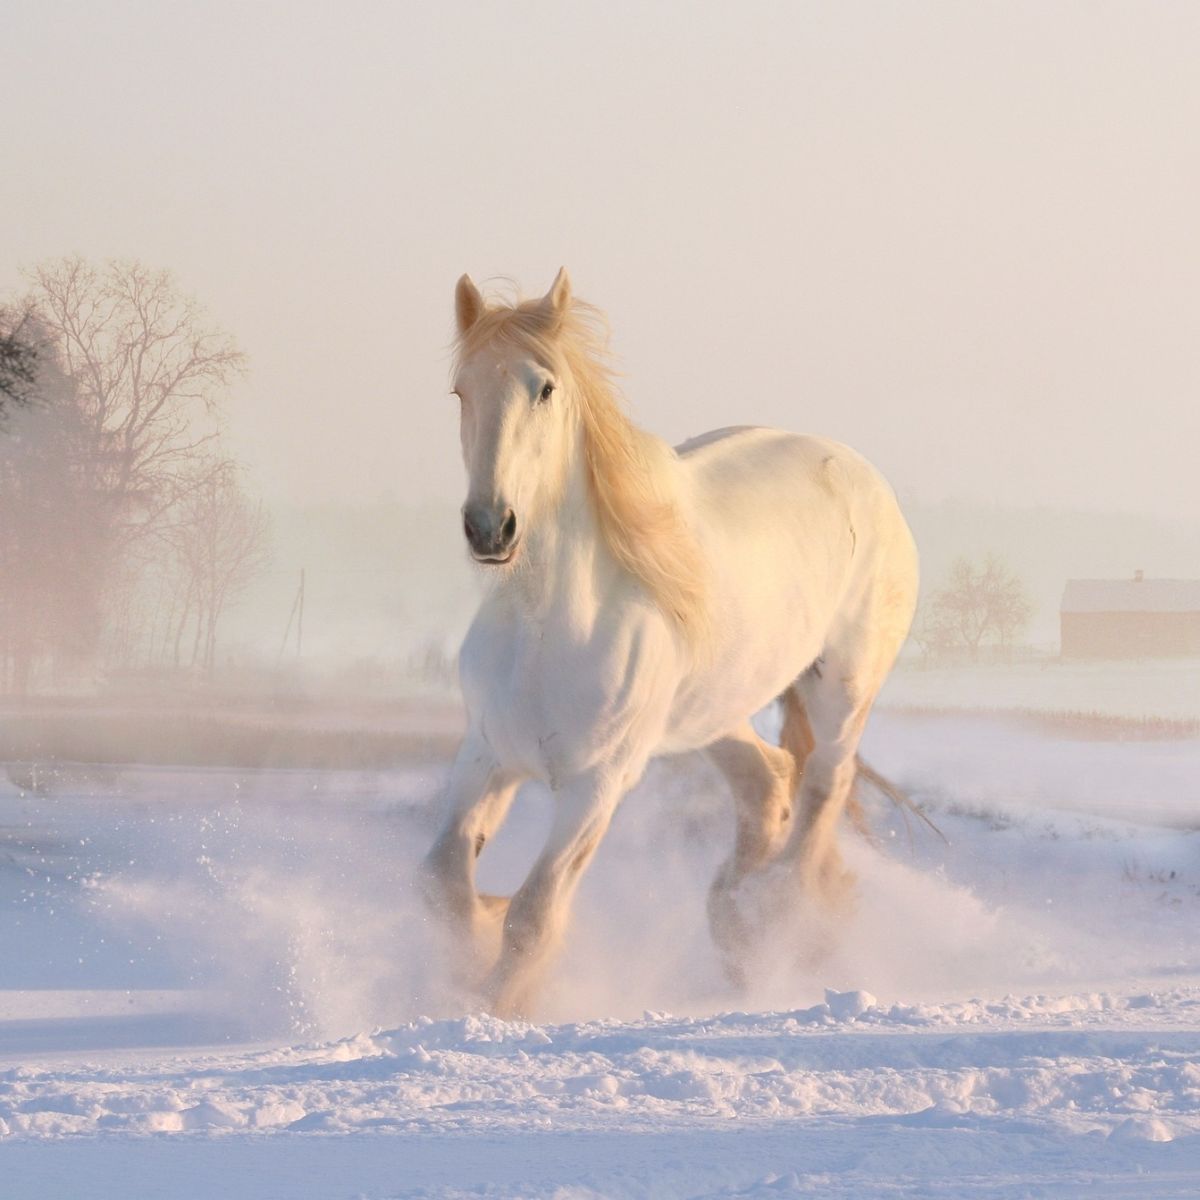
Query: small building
point(1130, 618)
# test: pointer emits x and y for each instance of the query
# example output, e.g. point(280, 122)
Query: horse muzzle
point(491, 533)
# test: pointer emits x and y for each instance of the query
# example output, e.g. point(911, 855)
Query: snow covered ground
point(219, 983)
point(1167, 689)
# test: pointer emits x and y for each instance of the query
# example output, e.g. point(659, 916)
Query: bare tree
point(1009, 606)
point(147, 367)
point(221, 539)
point(50, 543)
point(119, 516)
point(962, 606)
point(18, 358)
point(979, 601)
point(934, 632)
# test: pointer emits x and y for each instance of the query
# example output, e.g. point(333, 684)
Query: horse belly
point(759, 658)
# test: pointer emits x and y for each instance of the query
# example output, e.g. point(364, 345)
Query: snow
point(1166, 689)
point(219, 982)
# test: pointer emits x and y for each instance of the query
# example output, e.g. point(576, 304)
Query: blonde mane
point(629, 472)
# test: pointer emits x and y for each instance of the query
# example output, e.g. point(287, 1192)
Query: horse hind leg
point(796, 737)
point(762, 778)
point(837, 701)
point(837, 693)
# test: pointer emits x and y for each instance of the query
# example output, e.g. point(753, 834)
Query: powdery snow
point(1099, 1078)
point(220, 984)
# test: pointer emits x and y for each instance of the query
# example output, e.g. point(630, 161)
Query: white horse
point(649, 601)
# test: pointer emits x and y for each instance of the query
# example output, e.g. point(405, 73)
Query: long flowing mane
point(630, 473)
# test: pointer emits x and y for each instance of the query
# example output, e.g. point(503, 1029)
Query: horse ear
point(558, 298)
point(468, 304)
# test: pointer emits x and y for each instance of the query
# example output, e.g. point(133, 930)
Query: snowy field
point(1145, 689)
point(219, 984)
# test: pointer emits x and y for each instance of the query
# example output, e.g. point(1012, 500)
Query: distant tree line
point(125, 529)
point(982, 606)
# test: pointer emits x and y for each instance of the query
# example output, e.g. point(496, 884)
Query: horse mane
point(630, 476)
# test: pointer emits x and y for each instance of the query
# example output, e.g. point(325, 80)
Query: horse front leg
point(539, 911)
point(477, 800)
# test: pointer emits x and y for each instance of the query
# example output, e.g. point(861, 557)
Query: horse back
point(801, 534)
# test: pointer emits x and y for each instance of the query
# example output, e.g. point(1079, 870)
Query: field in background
point(316, 725)
point(1163, 690)
point(239, 732)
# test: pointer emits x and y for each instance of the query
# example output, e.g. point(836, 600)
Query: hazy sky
point(964, 237)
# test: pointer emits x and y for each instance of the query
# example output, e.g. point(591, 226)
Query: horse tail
point(796, 737)
point(883, 784)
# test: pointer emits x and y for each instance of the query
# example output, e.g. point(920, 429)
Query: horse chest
point(552, 704)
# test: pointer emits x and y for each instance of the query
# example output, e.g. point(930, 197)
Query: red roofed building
point(1130, 618)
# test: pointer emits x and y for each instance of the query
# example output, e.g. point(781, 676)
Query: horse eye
point(547, 391)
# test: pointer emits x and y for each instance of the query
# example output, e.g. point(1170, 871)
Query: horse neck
point(568, 566)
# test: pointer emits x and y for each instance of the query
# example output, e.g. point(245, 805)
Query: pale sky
point(963, 237)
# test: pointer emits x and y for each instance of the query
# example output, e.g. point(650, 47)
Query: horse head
point(517, 423)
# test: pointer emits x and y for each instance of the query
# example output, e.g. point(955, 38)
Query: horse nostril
point(489, 532)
